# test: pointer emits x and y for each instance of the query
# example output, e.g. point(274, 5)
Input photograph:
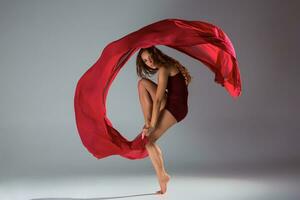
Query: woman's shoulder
point(173, 70)
point(163, 73)
point(168, 71)
point(165, 70)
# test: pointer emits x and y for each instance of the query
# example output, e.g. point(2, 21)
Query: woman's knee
point(141, 83)
point(149, 144)
point(151, 140)
point(144, 80)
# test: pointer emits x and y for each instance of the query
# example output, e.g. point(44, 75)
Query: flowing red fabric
point(201, 40)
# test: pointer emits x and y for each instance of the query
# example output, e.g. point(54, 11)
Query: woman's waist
point(178, 104)
point(177, 91)
point(178, 94)
point(179, 98)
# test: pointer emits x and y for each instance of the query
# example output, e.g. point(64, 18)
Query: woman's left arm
point(162, 77)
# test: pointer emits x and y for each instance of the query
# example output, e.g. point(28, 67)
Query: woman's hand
point(147, 130)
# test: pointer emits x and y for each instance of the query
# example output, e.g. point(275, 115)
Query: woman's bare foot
point(163, 183)
point(158, 192)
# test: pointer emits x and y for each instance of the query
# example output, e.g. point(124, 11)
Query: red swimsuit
point(177, 100)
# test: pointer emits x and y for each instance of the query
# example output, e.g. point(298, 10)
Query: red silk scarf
point(201, 40)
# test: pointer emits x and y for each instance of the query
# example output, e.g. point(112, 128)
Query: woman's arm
point(163, 74)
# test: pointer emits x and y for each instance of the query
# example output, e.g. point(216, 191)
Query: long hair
point(161, 59)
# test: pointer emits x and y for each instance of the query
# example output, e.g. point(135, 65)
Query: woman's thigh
point(151, 87)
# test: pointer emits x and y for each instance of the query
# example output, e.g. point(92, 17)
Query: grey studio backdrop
point(46, 46)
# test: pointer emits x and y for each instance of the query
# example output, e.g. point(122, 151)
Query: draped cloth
point(200, 40)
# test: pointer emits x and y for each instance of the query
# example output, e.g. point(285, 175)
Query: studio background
point(46, 46)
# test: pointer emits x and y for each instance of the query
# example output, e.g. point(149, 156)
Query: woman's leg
point(156, 159)
point(166, 120)
point(146, 103)
point(147, 91)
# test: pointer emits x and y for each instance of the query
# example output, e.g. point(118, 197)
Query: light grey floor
point(278, 185)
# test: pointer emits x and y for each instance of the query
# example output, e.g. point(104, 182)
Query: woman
point(161, 108)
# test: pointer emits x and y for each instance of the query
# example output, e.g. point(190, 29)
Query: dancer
point(161, 109)
point(200, 40)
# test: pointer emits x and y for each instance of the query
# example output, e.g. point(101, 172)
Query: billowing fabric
point(200, 40)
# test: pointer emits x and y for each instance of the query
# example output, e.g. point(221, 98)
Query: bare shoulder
point(163, 73)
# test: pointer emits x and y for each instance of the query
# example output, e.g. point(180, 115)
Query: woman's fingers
point(145, 133)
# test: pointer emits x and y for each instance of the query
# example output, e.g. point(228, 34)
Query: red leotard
point(177, 100)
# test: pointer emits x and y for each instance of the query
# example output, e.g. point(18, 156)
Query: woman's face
point(148, 60)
